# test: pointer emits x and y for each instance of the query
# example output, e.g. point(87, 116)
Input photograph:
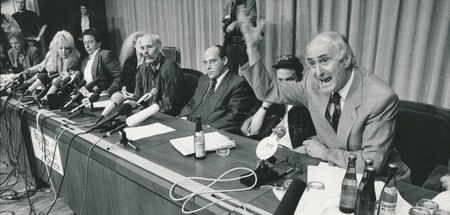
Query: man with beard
point(158, 79)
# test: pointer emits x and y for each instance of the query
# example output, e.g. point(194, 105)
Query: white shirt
point(88, 69)
point(286, 139)
point(343, 93)
point(219, 79)
point(84, 23)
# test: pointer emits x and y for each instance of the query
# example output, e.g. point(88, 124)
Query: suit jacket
point(367, 121)
point(32, 57)
point(228, 105)
point(106, 68)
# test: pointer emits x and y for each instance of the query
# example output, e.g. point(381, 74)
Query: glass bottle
point(368, 162)
point(348, 188)
point(365, 204)
point(388, 196)
point(199, 140)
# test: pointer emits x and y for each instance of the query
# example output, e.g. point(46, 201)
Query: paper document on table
point(139, 132)
point(328, 201)
point(213, 141)
point(101, 104)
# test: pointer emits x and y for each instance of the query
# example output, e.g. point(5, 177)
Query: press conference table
point(123, 181)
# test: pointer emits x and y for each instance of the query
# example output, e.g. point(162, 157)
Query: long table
point(123, 181)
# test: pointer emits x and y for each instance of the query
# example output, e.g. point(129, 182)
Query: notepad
point(139, 132)
point(213, 141)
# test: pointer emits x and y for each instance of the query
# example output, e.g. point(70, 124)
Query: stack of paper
point(213, 141)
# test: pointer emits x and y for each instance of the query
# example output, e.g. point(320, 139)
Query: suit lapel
point(202, 88)
point(95, 64)
point(349, 114)
point(218, 95)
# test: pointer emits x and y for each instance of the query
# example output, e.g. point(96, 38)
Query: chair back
point(191, 77)
point(173, 54)
point(422, 137)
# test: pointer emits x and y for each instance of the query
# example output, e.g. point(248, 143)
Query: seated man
point(221, 98)
point(158, 76)
point(353, 111)
point(101, 65)
point(291, 123)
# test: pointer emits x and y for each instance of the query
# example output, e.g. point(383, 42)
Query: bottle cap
point(352, 157)
point(369, 162)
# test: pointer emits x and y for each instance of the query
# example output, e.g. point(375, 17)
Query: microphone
point(291, 198)
point(43, 79)
point(147, 96)
point(88, 87)
point(87, 102)
point(123, 110)
point(116, 100)
point(55, 85)
point(83, 91)
point(136, 118)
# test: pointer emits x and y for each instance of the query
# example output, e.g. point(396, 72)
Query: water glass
point(418, 211)
point(428, 204)
point(441, 212)
point(223, 151)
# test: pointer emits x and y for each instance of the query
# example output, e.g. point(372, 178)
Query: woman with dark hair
point(21, 55)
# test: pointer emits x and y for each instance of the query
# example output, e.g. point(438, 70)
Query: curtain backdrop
point(404, 42)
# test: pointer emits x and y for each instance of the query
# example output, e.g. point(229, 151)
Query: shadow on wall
point(115, 34)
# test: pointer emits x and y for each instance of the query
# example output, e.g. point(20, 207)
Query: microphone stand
point(125, 141)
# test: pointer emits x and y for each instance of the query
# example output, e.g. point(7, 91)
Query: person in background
point(222, 98)
point(32, 26)
point(353, 111)
point(101, 65)
point(160, 74)
point(62, 58)
point(82, 23)
point(291, 123)
point(21, 55)
point(234, 43)
point(131, 57)
point(8, 26)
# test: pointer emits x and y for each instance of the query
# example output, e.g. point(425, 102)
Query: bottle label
point(348, 196)
point(199, 146)
point(390, 190)
point(387, 208)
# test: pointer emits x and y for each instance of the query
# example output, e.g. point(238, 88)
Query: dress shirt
point(343, 93)
point(286, 139)
point(220, 78)
point(88, 69)
point(84, 23)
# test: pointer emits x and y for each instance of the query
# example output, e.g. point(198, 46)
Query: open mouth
point(325, 80)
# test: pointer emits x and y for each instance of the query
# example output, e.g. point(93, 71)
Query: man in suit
point(158, 76)
point(101, 65)
point(353, 111)
point(221, 98)
point(292, 124)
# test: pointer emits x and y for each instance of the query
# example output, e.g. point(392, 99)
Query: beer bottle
point(199, 140)
point(388, 196)
point(365, 204)
point(368, 162)
point(348, 188)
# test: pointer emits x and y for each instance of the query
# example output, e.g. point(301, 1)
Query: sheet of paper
point(213, 141)
point(100, 104)
point(139, 132)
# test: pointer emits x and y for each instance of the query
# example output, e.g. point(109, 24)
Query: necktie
point(205, 102)
point(334, 120)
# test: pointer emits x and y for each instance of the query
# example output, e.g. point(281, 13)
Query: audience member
point(353, 111)
point(8, 25)
point(291, 123)
point(32, 26)
point(83, 22)
point(62, 58)
point(160, 74)
point(131, 57)
point(21, 55)
point(234, 42)
point(101, 65)
point(221, 98)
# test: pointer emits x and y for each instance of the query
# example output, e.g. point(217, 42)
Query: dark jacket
point(299, 120)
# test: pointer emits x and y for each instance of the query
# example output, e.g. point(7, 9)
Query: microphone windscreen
point(66, 80)
point(140, 116)
point(291, 198)
point(82, 83)
point(43, 77)
point(117, 98)
point(92, 84)
point(125, 109)
point(94, 97)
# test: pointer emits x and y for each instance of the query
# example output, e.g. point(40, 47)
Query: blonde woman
point(131, 56)
point(62, 59)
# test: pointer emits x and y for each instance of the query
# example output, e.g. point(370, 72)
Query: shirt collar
point(344, 91)
point(92, 56)
point(221, 77)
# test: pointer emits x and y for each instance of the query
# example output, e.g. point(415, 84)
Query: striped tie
point(334, 120)
point(205, 102)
